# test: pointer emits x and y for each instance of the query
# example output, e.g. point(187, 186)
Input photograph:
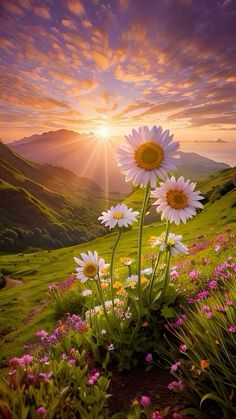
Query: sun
point(104, 132)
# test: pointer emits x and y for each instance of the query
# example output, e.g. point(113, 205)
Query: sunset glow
point(90, 65)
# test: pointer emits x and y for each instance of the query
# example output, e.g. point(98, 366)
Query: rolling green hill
point(24, 312)
point(46, 206)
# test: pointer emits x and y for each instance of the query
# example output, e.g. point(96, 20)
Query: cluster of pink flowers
point(93, 378)
point(22, 362)
point(176, 385)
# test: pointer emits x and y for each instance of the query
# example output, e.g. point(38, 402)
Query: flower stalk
point(112, 264)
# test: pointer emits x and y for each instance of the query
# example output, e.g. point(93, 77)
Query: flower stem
point(112, 264)
point(153, 275)
point(140, 238)
point(166, 274)
point(100, 293)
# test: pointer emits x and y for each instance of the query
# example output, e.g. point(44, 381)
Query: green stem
point(140, 239)
point(112, 264)
point(166, 274)
point(153, 275)
point(100, 293)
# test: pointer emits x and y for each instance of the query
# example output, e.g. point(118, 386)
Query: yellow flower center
point(171, 242)
point(117, 284)
point(118, 215)
point(132, 284)
point(104, 285)
point(177, 199)
point(90, 269)
point(144, 280)
point(149, 155)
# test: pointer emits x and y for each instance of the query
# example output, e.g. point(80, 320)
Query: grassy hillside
point(45, 206)
point(24, 312)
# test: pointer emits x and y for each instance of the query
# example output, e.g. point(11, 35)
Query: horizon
point(108, 67)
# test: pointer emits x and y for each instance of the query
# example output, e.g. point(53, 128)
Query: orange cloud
point(64, 77)
point(12, 8)
point(131, 77)
point(42, 12)
point(76, 7)
point(69, 24)
point(101, 60)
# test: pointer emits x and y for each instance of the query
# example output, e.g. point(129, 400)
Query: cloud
point(76, 7)
point(42, 12)
point(101, 60)
point(69, 24)
point(12, 8)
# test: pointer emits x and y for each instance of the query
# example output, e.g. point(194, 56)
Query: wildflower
point(52, 287)
point(177, 200)
point(22, 361)
point(64, 356)
point(177, 415)
point(105, 270)
point(147, 156)
point(145, 401)
point(229, 302)
point(144, 323)
point(157, 415)
point(209, 314)
point(173, 242)
point(67, 283)
point(103, 332)
point(176, 385)
point(121, 292)
point(119, 215)
point(175, 366)
point(217, 248)
point(204, 363)
point(126, 261)
point(41, 411)
point(46, 376)
point(212, 284)
point(93, 378)
point(110, 347)
point(86, 292)
point(232, 329)
point(43, 359)
point(89, 266)
point(72, 361)
point(174, 274)
point(182, 347)
point(194, 274)
point(132, 281)
point(104, 285)
point(143, 280)
point(148, 357)
point(117, 284)
point(146, 271)
point(41, 334)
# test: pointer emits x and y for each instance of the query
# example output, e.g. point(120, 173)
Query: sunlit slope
point(45, 206)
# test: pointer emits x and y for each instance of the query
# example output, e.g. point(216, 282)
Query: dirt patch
point(128, 386)
point(11, 282)
point(34, 312)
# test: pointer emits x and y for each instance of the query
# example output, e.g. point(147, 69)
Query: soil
point(130, 385)
point(11, 282)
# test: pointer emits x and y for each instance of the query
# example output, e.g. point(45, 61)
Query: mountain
point(89, 156)
point(46, 206)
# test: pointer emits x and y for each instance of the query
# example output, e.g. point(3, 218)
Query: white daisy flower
point(148, 156)
point(177, 199)
point(132, 281)
point(119, 215)
point(89, 266)
point(173, 241)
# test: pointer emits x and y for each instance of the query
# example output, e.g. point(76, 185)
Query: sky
point(110, 66)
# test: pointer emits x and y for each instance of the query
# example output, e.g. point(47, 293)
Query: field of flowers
point(169, 311)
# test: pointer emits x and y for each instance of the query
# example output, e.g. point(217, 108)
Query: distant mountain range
point(46, 206)
point(95, 159)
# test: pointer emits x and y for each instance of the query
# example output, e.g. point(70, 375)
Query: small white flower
point(132, 281)
point(177, 200)
point(148, 156)
point(86, 292)
point(119, 215)
point(89, 266)
point(146, 271)
point(173, 241)
point(126, 260)
point(103, 332)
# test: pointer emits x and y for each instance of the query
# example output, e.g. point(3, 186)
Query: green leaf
point(168, 312)
point(213, 396)
point(119, 416)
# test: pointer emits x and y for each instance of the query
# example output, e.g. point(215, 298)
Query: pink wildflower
point(182, 347)
point(145, 401)
point(175, 366)
point(232, 329)
point(148, 357)
point(157, 415)
point(177, 416)
point(176, 385)
point(41, 411)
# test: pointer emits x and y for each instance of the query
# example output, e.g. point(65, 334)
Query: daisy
point(89, 266)
point(148, 155)
point(119, 215)
point(173, 241)
point(132, 281)
point(177, 200)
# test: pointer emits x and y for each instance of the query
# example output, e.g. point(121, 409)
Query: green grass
point(38, 270)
